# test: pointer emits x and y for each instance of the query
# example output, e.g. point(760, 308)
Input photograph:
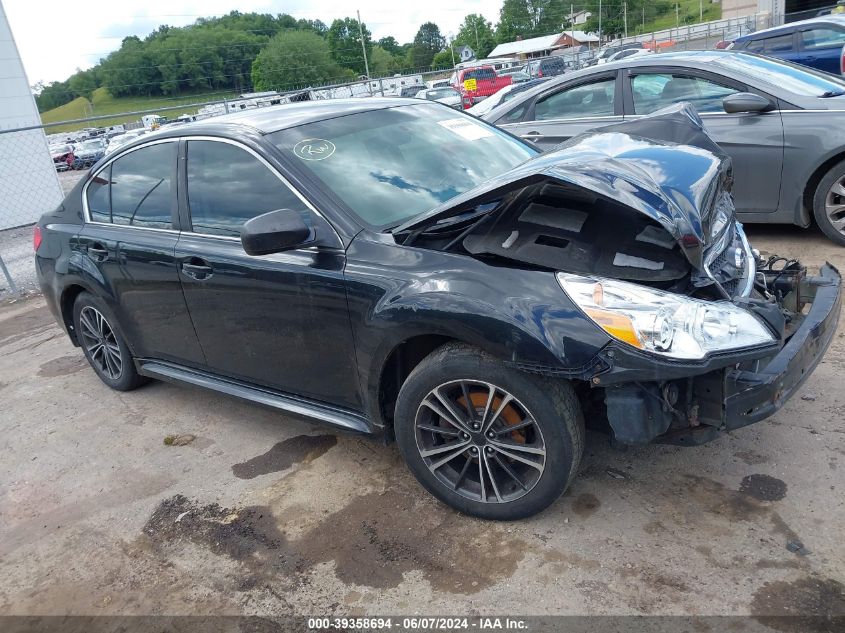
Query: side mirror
point(275, 232)
point(746, 102)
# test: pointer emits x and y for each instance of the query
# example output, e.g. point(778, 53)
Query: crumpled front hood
point(675, 184)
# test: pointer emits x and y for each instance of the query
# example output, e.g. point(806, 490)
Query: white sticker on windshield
point(314, 149)
point(466, 128)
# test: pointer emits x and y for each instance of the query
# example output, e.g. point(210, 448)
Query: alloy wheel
point(834, 204)
point(480, 441)
point(100, 342)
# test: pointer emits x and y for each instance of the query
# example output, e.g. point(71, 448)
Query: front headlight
point(662, 322)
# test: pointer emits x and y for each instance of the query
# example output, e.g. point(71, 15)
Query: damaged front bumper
point(650, 399)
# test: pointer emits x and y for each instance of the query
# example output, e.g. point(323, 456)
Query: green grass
point(688, 13)
point(103, 103)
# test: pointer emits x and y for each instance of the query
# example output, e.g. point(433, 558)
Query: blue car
point(817, 43)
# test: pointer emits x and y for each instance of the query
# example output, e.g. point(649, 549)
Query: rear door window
point(585, 100)
point(136, 189)
point(778, 44)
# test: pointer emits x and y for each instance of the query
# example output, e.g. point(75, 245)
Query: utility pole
point(363, 45)
point(452, 48)
point(572, 23)
point(677, 15)
point(477, 45)
point(625, 16)
point(643, 18)
point(701, 10)
point(599, 23)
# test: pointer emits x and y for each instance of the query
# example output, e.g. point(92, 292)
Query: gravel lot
point(16, 246)
point(263, 514)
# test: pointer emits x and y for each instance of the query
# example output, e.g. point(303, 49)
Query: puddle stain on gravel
point(737, 505)
point(763, 487)
point(585, 505)
point(373, 542)
point(63, 366)
point(283, 455)
point(802, 606)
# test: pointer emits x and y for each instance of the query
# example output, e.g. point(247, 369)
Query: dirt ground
point(262, 514)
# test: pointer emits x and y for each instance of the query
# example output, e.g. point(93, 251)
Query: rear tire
point(508, 454)
point(103, 344)
point(829, 204)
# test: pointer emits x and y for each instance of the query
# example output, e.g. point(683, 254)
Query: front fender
point(520, 316)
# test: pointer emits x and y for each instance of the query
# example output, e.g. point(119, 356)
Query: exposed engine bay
point(614, 205)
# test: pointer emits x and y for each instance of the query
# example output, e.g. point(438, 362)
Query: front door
point(127, 246)
point(754, 141)
point(281, 320)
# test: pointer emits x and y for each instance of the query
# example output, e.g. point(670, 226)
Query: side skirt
point(334, 416)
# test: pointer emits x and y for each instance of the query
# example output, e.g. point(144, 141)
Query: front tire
point(829, 204)
point(103, 344)
point(487, 440)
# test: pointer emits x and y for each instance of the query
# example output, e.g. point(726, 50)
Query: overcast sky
point(57, 37)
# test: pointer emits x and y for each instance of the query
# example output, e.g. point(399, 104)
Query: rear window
point(480, 73)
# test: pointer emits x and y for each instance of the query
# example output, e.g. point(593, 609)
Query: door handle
point(97, 252)
point(197, 271)
point(532, 136)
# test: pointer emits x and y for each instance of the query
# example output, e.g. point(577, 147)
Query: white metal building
point(29, 185)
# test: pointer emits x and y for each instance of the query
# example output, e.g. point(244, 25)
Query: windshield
point(392, 164)
point(441, 93)
point(800, 80)
point(91, 145)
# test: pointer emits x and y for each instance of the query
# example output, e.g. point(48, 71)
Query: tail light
point(36, 237)
point(539, 73)
point(467, 102)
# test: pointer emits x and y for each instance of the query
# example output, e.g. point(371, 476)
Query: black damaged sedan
point(397, 268)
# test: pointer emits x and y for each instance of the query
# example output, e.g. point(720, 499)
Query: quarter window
point(135, 189)
point(228, 186)
point(653, 91)
point(586, 100)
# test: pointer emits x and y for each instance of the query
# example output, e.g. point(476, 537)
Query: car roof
point(288, 115)
point(718, 60)
point(786, 28)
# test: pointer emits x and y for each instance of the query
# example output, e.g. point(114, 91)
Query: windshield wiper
point(832, 93)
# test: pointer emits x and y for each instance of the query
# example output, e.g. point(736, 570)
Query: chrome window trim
point(86, 212)
point(272, 169)
point(572, 120)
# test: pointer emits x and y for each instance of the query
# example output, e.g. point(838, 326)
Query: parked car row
point(782, 124)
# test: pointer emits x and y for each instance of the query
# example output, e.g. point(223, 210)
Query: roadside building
point(546, 45)
point(29, 185)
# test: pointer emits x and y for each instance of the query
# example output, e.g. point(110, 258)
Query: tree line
point(239, 52)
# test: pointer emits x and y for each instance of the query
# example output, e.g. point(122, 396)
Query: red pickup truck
point(477, 83)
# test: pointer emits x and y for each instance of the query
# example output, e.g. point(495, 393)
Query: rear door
point(558, 114)
point(753, 140)
point(821, 47)
point(280, 320)
point(127, 249)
